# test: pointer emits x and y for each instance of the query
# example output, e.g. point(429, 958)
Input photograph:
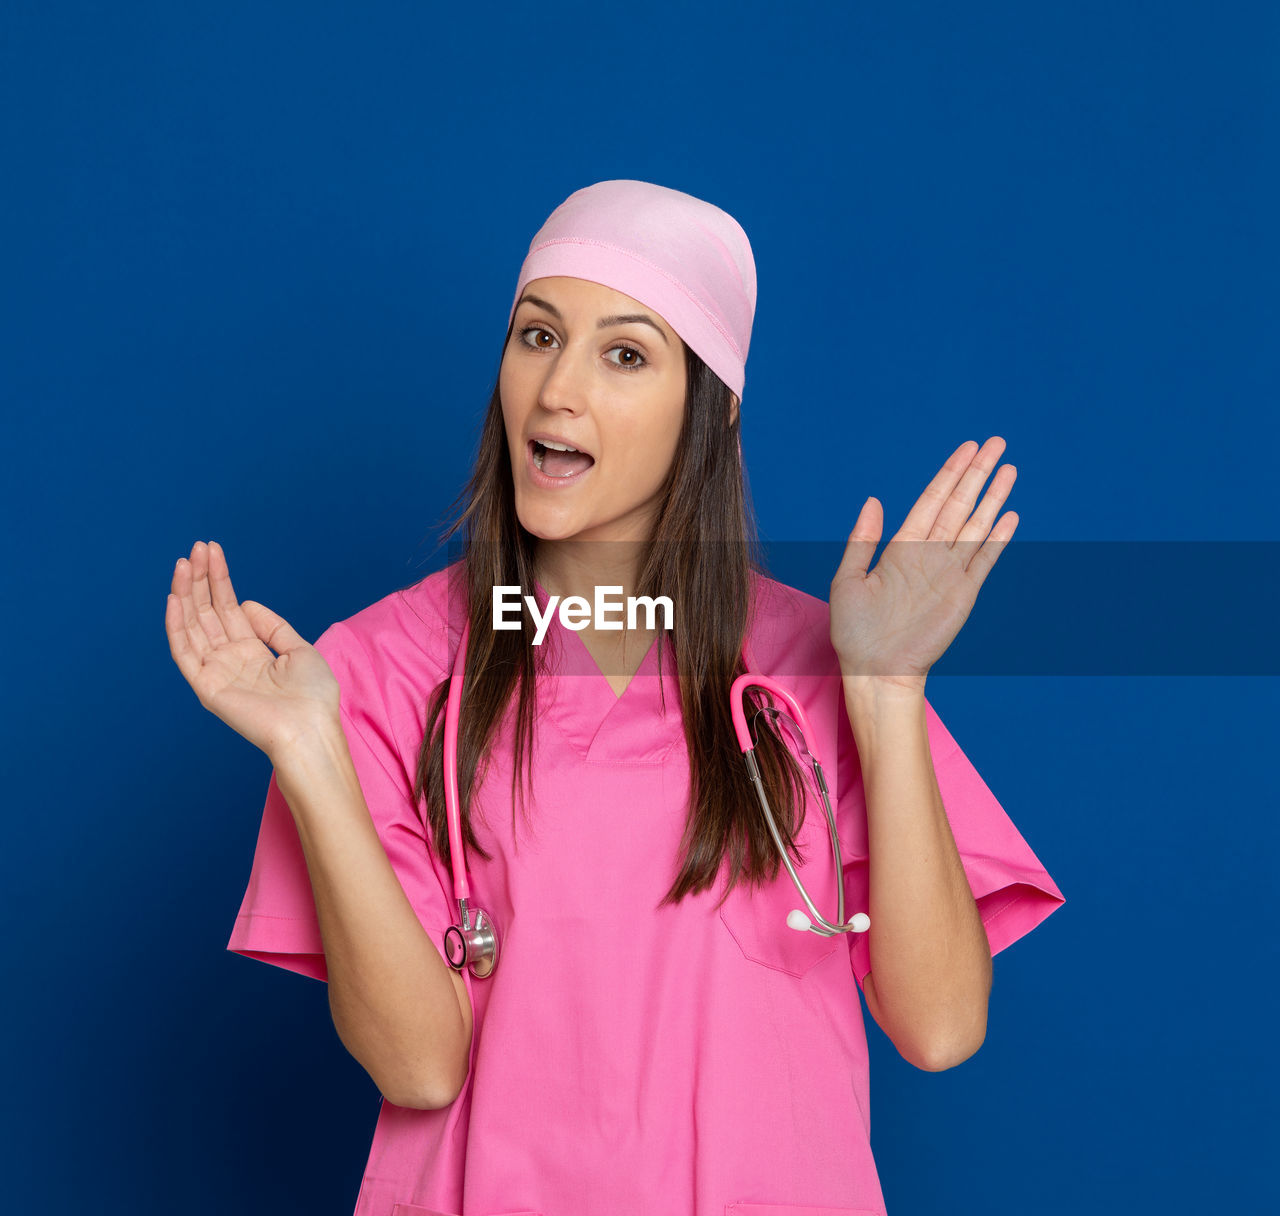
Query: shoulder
point(394, 652)
point(789, 631)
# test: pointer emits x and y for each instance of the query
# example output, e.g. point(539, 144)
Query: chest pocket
point(756, 917)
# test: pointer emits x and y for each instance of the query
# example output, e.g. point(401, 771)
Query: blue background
point(257, 261)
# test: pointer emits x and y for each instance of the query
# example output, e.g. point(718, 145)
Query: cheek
point(509, 396)
point(658, 440)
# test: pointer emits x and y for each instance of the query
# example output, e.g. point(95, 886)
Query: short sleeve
point(1013, 891)
point(277, 920)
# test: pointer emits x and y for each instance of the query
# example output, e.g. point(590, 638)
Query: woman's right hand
point(221, 648)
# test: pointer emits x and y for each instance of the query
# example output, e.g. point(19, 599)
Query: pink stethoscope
point(473, 942)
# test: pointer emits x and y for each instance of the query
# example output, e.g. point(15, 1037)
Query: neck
point(579, 567)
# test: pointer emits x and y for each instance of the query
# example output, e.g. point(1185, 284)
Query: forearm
point(394, 1001)
point(930, 958)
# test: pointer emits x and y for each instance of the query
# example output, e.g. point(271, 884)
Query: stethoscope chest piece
point(473, 944)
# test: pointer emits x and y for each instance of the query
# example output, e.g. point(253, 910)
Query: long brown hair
point(702, 554)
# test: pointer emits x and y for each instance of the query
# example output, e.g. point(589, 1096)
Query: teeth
point(559, 447)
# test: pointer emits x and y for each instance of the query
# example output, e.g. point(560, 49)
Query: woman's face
point(590, 368)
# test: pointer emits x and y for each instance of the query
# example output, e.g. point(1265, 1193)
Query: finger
point(958, 506)
point(862, 540)
point(197, 640)
point(975, 531)
point(223, 594)
point(272, 628)
point(202, 597)
point(922, 517)
point(179, 644)
point(994, 545)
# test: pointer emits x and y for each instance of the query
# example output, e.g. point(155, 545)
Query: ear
point(733, 409)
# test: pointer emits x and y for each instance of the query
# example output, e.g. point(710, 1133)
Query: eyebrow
point(637, 318)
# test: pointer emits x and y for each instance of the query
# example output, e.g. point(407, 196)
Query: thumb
point(272, 628)
point(863, 539)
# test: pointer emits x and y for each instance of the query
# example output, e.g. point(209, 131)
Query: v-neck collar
point(633, 728)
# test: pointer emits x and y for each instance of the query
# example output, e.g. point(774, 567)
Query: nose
point(564, 385)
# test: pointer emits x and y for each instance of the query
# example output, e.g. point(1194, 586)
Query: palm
point(897, 620)
point(224, 651)
point(903, 614)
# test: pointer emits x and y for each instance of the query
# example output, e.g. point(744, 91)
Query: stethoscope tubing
point(473, 943)
point(823, 927)
point(452, 802)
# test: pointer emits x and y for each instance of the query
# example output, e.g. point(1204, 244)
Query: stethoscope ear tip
point(798, 921)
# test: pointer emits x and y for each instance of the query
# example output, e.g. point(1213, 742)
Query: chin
point(547, 529)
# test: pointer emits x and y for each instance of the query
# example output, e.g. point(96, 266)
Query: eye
point(628, 357)
point(537, 337)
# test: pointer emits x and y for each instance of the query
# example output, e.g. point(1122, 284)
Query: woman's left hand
point(896, 621)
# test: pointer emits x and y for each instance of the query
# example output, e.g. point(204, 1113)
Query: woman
point(654, 1037)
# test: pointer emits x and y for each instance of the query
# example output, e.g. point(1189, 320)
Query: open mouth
point(558, 459)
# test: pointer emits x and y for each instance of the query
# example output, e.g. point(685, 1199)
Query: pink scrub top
point(627, 1058)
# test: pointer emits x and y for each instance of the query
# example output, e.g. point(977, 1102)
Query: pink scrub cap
point(686, 259)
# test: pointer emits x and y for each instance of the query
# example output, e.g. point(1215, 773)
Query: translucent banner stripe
point(1091, 608)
